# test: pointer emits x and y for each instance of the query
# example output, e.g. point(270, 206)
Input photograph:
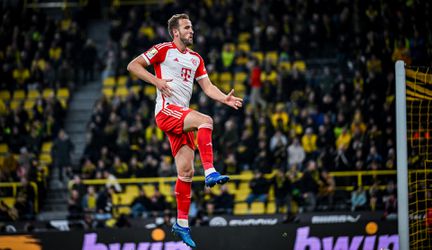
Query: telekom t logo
point(186, 74)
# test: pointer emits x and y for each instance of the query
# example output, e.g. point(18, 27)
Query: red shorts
point(171, 121)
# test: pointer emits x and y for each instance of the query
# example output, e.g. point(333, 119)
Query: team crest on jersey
point(194, 61)
point(151, 53)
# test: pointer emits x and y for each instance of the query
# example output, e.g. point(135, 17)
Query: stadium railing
point(238, 186)
point(9, 197)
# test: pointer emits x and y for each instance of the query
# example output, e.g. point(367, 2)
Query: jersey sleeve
point(201, 71)
point(154, 55)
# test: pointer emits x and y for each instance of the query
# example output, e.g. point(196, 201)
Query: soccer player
point(176, 66)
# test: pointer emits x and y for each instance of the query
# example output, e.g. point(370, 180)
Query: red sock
point(183, 197)
point(204, 138)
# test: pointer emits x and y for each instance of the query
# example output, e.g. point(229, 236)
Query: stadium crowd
point(334, 111)
point(40, 61)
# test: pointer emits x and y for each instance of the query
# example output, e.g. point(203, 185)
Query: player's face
point(186, 31)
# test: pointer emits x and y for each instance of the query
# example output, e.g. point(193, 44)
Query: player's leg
point(184, 164)
point(195, 120)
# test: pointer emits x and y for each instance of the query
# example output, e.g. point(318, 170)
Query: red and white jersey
point(182, 67)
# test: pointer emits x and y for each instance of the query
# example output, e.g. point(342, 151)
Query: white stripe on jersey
point(160, 46)
point(166, 111)
point(201, 77)
point(174, 112)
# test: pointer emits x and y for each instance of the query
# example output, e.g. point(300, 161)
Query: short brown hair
point(173, 22)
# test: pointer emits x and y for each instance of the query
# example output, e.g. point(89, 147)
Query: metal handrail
point(15, 185)
point(243, 177)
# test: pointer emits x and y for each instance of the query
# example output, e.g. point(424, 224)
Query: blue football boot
point(215, 178)
point(184, 234)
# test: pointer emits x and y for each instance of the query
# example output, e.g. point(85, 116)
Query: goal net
point(417, 84)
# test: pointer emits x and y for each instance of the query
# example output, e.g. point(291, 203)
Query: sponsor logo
point(194, 61)
point(417, 216)
point(186, 74)
point(151, 53)
point(62, 225)
point(305, 241)
point(90, 243)
point(218, 222)
point(320, 219)
point(20, 242)
point(252, 222)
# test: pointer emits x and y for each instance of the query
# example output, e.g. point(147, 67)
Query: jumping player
point(176, 66)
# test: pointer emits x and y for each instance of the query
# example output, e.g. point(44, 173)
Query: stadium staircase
point(78, 115)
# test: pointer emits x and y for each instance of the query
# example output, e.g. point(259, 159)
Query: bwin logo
point(90, 243)
point(304, 241)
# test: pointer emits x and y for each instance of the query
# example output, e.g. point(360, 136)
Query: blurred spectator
point(120, 168)
point(158, 203)
point(375, 199)
point(296, 153)
point(75, 205)
point(224, 202)
point(166, 167)
point(231, 165)
point(89, 200)
point(25, 199)
point(341, 160)
point(309, 143)
point(282, 191)
point(88, 60)
point(259, 189)
point(309, 187)
point(61, 154)
point(326, 190)
point(78, 185)
point(262, 158)
point(104, 203)
point(278, 145)
point(280, 118)
point(111, 181)
point(256, 85)
point(141, 205)
point(358, 199)
point(389, 198)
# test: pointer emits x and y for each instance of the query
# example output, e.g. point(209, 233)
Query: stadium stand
point(325, 116)
point(36, 84)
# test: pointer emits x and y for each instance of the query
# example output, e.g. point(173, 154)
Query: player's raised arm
point(138, 67)
point(214, 92)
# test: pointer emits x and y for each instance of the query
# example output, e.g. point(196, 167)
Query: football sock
point(205, 146)
point(183, 197)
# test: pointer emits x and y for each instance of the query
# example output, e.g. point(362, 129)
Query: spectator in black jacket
point(282, 191)
point(61, 153)
point(224, 202)
point(309, 186)
point(259, 189)
point(158, 203)
point(141, 205)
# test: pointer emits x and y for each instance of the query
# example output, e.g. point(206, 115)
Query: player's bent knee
point(185, 178)
point(186, 175)
point(207, 120)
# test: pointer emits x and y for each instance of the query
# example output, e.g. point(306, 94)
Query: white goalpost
point(402, 156)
